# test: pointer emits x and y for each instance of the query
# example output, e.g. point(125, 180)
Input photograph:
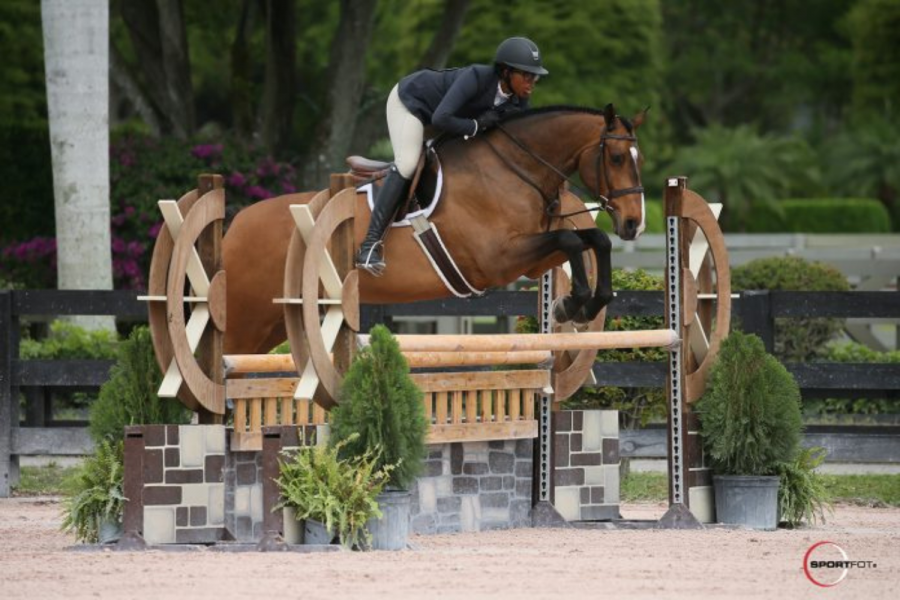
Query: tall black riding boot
point(387, 201)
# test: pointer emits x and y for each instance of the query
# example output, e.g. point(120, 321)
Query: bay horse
point(501, 215)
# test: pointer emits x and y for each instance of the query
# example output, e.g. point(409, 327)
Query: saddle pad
point(369, 188)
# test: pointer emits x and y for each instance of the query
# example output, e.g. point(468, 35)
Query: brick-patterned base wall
point(244, 495)
point(474, 486)
point(183, 493)
point(586, 461)
point(195, 490)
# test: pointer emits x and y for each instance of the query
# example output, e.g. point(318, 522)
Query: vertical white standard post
point(545, 429)
point(673, 305)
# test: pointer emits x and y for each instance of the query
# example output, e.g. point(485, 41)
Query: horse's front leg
point(569, 243)
point(599, 242)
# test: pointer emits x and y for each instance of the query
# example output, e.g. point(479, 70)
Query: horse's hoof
point(581, 321)
point(558, 309)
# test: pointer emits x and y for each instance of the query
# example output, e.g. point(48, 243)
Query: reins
point(551, 204)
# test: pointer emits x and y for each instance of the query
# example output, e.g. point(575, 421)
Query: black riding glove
point(507, 109)
point(487, 120)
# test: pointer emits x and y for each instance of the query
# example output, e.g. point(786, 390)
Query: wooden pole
point(602, 340)
point(280, 363)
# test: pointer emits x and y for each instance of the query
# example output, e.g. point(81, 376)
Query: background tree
point(159, 41)
point(775, 63)
point(873, 27)
point(346, 76)
point(278, 97)
point(77, 63)
point(743, 169)
point(865, 161)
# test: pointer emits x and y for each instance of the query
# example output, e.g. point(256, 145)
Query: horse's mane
point(543, 110)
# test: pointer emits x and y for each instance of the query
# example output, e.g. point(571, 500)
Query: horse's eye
point(617, 159)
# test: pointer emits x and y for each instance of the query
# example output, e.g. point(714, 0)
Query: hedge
point(801, 215)
point(822, 215)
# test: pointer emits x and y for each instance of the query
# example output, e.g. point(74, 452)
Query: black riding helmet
point(520, 53)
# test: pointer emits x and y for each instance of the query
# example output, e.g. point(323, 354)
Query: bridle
point(599, 169)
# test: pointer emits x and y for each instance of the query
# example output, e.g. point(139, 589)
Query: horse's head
point(613, 171)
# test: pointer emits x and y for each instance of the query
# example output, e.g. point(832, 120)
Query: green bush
point(69, 341)
point(817, 408)
point(822, 215)
point(802, 496)
point(382, 408)
point(129, 396)
point(338, 492)
point(638, 406)
point(94, 494)
point(750, 414)
point(796, 340)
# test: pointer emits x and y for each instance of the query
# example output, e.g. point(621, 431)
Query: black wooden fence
point(37, 380)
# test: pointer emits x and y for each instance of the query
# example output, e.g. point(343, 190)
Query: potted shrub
point(333, 496)
point(750, 424)
point(94, 502)
point(381, 412)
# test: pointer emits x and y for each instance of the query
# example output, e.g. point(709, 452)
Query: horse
point(502, 214)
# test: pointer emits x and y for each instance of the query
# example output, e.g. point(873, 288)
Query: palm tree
point(864, 161)
point(76, 58)
point(744, 170)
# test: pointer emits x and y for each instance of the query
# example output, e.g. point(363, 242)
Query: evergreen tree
point(381, 403)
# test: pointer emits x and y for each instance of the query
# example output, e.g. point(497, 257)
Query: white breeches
point(407, 135)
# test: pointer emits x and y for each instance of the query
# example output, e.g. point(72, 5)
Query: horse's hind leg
point(599, 242)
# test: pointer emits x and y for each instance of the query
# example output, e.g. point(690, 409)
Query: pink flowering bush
point(144, 170)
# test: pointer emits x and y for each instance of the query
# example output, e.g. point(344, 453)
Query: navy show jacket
point(450, 99)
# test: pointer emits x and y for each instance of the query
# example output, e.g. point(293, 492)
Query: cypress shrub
point(750, 414)
point(381, 404)
point(796, 340)
point(129, 396)
point(822, 215)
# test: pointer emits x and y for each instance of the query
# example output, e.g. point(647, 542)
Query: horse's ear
point(609, 115)
point(639, 118)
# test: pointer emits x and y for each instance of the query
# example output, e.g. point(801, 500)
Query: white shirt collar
point(501, 97)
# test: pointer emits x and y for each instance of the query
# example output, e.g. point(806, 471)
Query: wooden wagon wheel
point(176, 262)
point(572, 368)
point(705, 254)
point(293, 286)
point(312, 340)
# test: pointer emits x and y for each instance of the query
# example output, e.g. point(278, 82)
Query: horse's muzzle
point(627, 229)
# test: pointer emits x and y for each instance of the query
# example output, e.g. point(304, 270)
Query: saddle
point(424, 181)
point(424, 193)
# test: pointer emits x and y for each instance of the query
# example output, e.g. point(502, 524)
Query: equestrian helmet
point(520, 53)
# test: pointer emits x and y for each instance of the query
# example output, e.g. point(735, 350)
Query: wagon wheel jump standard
point(321, 328)
point(186, 252)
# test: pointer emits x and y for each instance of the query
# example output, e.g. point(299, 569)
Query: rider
point(465, 102)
